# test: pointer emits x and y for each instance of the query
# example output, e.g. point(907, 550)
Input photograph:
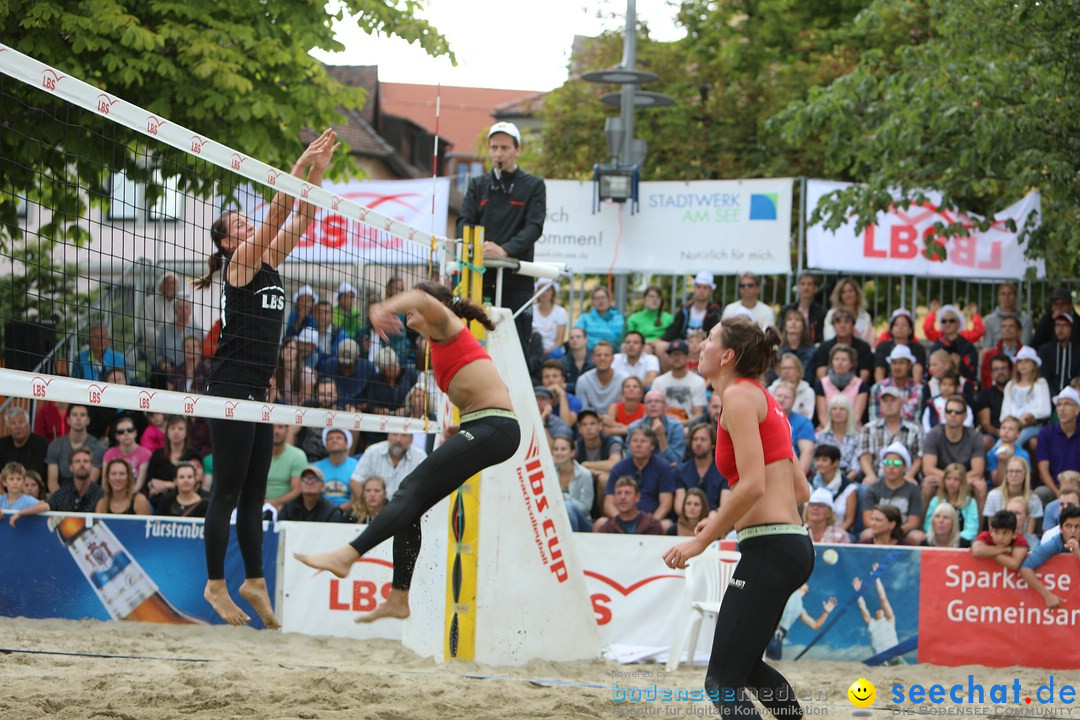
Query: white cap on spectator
point(348, 351)
point(952, 310)
point(1028, 353)
point(306, 290)
point(348, 436)
point(821, 496)
point(741, 309)
point(892, 390)
point(1068, 394)
point(544, 283)
point(705, 278)
point(345, 288)
point(308, 335)
point(901, 352)
point(897, 448)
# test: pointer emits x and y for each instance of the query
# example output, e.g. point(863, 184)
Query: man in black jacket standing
point(511, 205)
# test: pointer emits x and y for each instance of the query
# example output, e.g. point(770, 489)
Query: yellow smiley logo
point(862, 693)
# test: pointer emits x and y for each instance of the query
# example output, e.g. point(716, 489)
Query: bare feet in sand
point(337, 561)
point(218, 596)
point(254, 591)
point(396, 606)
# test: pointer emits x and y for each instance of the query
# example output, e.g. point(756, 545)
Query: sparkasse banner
point(724, 226)
point(894, 245)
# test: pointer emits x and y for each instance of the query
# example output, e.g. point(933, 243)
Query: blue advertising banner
point(861, 604)
point(116, 567)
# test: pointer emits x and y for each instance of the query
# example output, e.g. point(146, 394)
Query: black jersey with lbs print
point(252, 317)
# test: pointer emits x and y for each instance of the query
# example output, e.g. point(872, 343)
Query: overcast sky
point(515, 44)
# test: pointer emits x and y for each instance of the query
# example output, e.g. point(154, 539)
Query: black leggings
point(242, 455)
point(478, 445)
point(771, 569)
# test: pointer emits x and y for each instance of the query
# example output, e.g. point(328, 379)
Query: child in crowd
point(1068, 541)
point(1067, 480)
point(1001, 542)
point(153, 437)
point(1016, 483)
point(14, 501)
point(955, 491)
point(934, 414)
point(1005, 448)
point(844, 491)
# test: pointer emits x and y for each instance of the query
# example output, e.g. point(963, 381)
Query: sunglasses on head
point(893, 463)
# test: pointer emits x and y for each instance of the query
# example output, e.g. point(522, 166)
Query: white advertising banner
point(723, 226)
point(895, 244)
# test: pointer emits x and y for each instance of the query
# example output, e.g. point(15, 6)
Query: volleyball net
point(105, 218)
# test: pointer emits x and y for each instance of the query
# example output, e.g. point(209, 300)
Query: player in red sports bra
point(753, 450)
point(489, 433)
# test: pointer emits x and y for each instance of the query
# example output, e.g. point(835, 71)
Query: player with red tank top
point(775, 437)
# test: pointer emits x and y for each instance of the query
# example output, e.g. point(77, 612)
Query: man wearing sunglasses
point(896, 490)
point(749, 294)
point(953, 442)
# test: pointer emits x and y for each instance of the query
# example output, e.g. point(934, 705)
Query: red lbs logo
point(266, 411)
point(94, 395)
point(230, 408)
point(39, 386)
point(144, 399)
point(189, 405)
point(49, 78)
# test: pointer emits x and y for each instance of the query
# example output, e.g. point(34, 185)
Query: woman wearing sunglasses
point(126, 448)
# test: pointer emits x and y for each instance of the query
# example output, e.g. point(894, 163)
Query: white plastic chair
point(707, 577)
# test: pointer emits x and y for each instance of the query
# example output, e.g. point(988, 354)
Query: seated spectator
point(295, 380)
point(1009, 345)
point(656, 491)
point(120, 497)
point(14, 501)
point(699, 313)
point(576, 483)
point(749, 298)
point(50, 420)
point(346, 315)
point(633, 360)
point(651, 321)
point(1069, 497)
point(839, 430)
point(602, 322)
point(896, 491)
point(990, 399)
point(627, 516)
point(940, 363)
point(58, 454)
point(190, 375)
point(564, 404)
point(820, 519)
point(956, 492)
point(34, 485)
point(351, 374)
point(668, 434)
point(125, 448)
point(596, 451)
point(1068, 480)
point(1002, 542)
point(797, 340)
point(170, 341)
point(812, 311)
point(711, 416)
point(415, 402)
point(884, 526)
point(1068, 541)
point(1017, 485)
point(385, 394)
point(802, 430)
point(337, 467)
point(628, 410)
point(943, 529)
point(934, 413)
point(599, 388)
point(963, 351)
point(300, 316)
point(841, 379)
point(699, 471)
point(161, 467)
point(576, 359)
point(684, 391)
point(98, 357)
point(1005, 448)
point(329, 337)
point(82, 493)
point(1007, 307)
point(23, 446)
point(847, 296)
point(549, 319)
point(1060, 302)
point(1027, 396)
point(370, 502)
point(953, 442)
point(1060, 358)
point(553, 424)
point(900, 363)
point(311, 505)
point(890, 427)
point(791, 370)
point(695, 509)
point(153, 436)
point(392, 460)
point(157, 310)
point(187, 500)
point(842, 489)
point(1058, 447)
point(900, 334)
point(307, 348)
point(1019, 508)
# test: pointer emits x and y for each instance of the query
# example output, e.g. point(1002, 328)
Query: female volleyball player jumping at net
point(253, 311)
point(753, 450)
point(489, 433)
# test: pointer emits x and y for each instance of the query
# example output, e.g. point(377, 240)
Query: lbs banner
point(724, 226)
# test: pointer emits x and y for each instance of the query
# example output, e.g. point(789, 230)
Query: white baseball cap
point(348, 435)
point(506, 127)
point(821, 496)
point(1068, 394)
point(306, 290)
point(705, 278)
point(344, 288)
point(901, 352)
point(897, 449)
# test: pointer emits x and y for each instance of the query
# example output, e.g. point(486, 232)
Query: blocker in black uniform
point(252, 313)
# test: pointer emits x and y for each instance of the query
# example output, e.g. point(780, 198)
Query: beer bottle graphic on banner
point(121, 584)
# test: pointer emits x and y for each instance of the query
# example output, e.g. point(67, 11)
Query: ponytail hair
point(464, 309)
point(215, 260)
point(756, 350)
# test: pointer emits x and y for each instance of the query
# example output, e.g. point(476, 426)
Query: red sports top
point(450, 355)
point(775, 439)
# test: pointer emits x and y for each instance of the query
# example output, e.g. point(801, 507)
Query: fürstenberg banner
point(724, 226)
point(894, 246)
